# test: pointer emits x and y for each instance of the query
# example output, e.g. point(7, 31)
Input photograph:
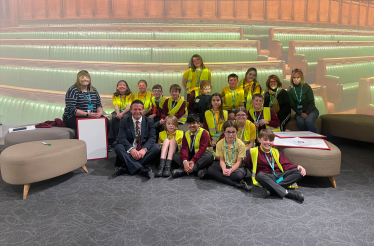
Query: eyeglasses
point(156, 91)
point(231, 133)
point(241, 115)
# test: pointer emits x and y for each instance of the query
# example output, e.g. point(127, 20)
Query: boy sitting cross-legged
point(193, 157)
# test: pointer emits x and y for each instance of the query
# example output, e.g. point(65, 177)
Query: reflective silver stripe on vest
point(246, 142)
point(253, 175)
point(188, 81)
point(212, 129)
point(272, 128)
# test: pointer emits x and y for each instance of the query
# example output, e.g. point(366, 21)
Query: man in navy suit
point(136, 142)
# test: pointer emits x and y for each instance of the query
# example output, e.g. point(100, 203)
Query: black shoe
point(167, 172)
point(121, 170)
point(295, 195)
point(178, 173)
point(243, 185)
point(202, 173)
point(160, 169)
point(146, 172)
point(114, 144)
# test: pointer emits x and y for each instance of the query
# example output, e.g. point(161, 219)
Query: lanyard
point(233, 97)
point(198, 76)
point(257, 119)
point(301, 92)
point(241, 135)
point(89, 97)
point(193, 142)
point(271, 163)
point(173, 134)
point(276, 95)
point(136, 132)
point(215, 123)
point(232, 154)
point(175, 103)
point(122, 102)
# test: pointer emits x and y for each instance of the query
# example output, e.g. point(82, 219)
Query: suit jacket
point(126, 135)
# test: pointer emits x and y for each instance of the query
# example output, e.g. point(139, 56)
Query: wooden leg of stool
point(26, 188)
point(84, 168)
point(332, 180)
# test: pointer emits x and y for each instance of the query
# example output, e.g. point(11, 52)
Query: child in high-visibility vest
point(246, 129)
point(233, 96)
point(144, 96)
point(250, 86)
point(231, 152)
point(169, 140)
point(174, 105)
point(272, 170)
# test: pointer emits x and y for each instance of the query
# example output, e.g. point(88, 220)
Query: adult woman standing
point(196, 73)
point(82, 101)
point(250, 86)
point(302, 102)
point(278, 100)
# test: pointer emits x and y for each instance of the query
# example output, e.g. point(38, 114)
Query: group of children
point(233, 122)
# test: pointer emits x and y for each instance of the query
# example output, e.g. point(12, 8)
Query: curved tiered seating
point(305, 54)
point(341, 77)
point(279, 38)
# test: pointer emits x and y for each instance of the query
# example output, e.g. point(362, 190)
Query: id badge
point(90, 106)
point(299, 106)
point(197, 84)
point(121, 110)
point(279, 180)
point(216, 135)
point(233, 109)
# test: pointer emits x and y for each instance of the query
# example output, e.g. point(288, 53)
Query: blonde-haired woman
point(82, 101)
point(302, 102)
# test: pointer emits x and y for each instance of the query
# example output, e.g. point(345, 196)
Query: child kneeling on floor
point(272, 170)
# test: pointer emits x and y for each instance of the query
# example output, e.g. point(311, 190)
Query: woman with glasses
point(246, 129)
point(82, 101)
point(278, 100)
point(231, 152)
point(302, 102)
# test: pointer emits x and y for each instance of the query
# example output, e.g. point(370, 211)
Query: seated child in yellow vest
point(214, 118)
point(122, 100)
point(174, 105)
point(169, 140)
point(193, 157)
point(231, 152)
point(272, 170)
point(144, 96)
point(263, 117)
point(201, 103)
point(233, 96)
point(250, 86)
point(246, 129)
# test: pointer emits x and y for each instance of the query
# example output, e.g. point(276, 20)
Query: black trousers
point(132, 164)
point(204, 162)
point(268, 180)
point(72, 123)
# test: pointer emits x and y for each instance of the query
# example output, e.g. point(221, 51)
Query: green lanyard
point(233, 98)
point(301, 93)
point(88, 97)
point(137, 132)
point(232, 154)
point(215, 123)
point(198, 77)
point(276, 95)
point(241, 135)
point(175, 103)
point(193, 142)
point(271, 163)
point(173, 135)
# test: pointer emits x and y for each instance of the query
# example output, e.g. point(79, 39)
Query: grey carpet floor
point(100, 209)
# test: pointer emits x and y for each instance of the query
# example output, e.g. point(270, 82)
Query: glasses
point(231, 133)
point(156, 91)
point(241, 115)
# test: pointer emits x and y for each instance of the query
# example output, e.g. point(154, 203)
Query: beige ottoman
point(317, 162)
point(26, 163)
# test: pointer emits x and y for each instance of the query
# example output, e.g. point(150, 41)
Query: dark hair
point(255, 82)
point(275, 77)
point(257, 95)
point(192, 118)
point(193, 66)
point(175, 87)
point(157, 86)
point(127, 92)
point(233, 75)
point(221, 116)
point(266, 134)
point(229, 123)
point(143, 81)
point(137, 101)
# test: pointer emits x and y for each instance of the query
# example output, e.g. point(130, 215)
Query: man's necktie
point(139, 139)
